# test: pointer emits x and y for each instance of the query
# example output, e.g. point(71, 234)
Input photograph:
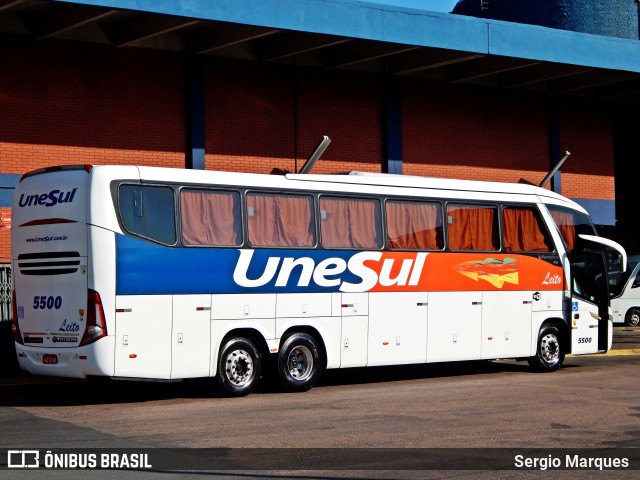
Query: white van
point(625, 302)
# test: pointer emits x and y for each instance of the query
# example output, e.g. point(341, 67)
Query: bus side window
point(350, 222)
point(276, 220)
point(148, 211)
point(210, 218)
point(523, 231)
point(414, 225)
point(472, 227)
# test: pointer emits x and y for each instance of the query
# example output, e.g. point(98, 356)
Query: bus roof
point(357, 179)
point(434, 183)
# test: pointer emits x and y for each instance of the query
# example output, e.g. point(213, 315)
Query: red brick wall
point(473, 134)
point(67, 103)
point(249, 121)
point(263, 117)
point(346, 107)
point(586, 133)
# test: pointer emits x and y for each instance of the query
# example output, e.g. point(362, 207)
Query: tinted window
point(148, 211)
point(570, 224)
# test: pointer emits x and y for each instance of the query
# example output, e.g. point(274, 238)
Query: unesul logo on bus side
point(325, 272)
point(47, 199)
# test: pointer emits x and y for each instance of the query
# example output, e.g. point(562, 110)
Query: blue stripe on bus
point(145, 268)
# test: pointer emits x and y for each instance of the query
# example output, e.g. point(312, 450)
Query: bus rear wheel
point(239, 367)
point(300, 362)
point(550, 353)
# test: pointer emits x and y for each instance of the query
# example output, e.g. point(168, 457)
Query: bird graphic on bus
point(496, 272)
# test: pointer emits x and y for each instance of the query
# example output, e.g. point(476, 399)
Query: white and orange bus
point(156, 273)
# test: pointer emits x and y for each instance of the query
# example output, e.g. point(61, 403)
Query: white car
point(625, 302)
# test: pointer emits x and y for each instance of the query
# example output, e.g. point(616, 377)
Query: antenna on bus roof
point(315, 156)
point(553, 171)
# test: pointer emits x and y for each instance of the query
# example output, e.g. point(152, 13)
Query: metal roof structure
point(348, 34)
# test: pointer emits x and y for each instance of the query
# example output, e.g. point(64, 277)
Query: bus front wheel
point(300, 362)
point(633, 317)
point(239, 366)
point(550, 353)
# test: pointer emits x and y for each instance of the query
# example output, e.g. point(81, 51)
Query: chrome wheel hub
point(550, 348)
point(300, 363)
point(239, 367)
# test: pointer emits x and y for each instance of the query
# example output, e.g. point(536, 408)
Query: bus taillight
point(15, 328)
point(96, 324)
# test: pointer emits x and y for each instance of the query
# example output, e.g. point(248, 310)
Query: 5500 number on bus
point(47, 302)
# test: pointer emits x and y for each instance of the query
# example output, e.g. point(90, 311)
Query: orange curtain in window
point(471, 228)
point(296, 226)
point(210, 218)
point(564, 221)
point(280, 220)
point(413, 226)
point(350, 223)
point(522, 231)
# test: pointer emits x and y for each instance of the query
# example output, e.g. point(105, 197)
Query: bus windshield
point(571, 223)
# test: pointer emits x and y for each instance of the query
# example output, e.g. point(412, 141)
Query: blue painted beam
point(349, 18)
point(195, 134)
point(392, 126)
point(385, 23)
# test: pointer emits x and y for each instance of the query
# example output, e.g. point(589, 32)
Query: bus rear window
point(148, 211)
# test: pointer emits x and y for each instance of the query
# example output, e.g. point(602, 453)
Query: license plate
point(50, 359)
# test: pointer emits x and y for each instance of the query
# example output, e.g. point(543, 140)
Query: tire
point(550, 352)
point(633, 318)
point(300, 362)
point(239, 367)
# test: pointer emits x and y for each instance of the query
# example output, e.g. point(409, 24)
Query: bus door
point(590, 323)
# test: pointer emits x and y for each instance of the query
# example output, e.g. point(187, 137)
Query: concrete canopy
point(349, 34)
